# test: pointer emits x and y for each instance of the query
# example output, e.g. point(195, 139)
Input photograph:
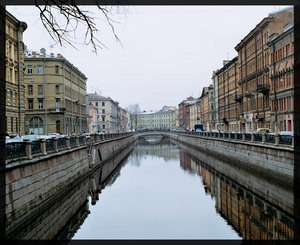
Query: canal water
point(155, 197)
point(163, 192)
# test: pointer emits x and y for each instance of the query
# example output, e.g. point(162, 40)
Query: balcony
point(238, 98)
point(263, 88)
point(57, 110)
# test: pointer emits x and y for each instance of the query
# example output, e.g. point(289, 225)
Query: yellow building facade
point(55, 95)
point(14, 73)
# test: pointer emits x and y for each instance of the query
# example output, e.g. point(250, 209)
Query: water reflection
point(250, 215)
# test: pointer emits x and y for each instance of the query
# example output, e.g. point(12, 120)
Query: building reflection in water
point(251, 216)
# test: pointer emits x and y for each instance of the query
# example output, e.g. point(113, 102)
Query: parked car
point(87, 135)
point(286, 133)
point(57, 135)
point(263, 130)
point(12, 140)
point(30, 137)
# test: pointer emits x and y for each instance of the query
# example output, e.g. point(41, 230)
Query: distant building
point(55, 95)
point(194, 108)
point(110, 116)
point(281, 50)
point(163, 119)
point(184, 113)
point(14, 75)
point(214, 120)
point(205, 109)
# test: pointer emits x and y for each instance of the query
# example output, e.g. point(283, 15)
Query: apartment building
point(14, 75)
point(55, 95)
point(253, 69)
point(214, 111)
point(228, 97)
point(108, 116)
point(195, 108)
point(205, 109)
point(184, 113)
point(281, 50)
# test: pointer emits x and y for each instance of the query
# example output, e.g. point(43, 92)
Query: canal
point(161, 189)
point(163, 192)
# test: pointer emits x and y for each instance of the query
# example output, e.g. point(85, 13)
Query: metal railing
point(49, 145)
point(36, 147)
point(29, 149)
point(15, 150)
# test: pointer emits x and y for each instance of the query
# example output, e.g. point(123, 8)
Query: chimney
point(33, 54)
point(52, 55)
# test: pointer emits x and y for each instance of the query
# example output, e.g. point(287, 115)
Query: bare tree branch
point(62, 22)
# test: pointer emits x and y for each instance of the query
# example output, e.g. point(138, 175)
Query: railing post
point(77, 140)
point(243, 136)
point(28, 144)
point(235, 135)
point(43, 147)
point(252, 137)
point(55, 144)
point(276, 139)
point(68, 142)
point(263, 138)
point(84, 140)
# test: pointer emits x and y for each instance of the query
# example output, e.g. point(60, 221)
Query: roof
point(97, 97)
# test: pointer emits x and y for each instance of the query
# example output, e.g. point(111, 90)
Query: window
point(30, 104)
point(39, 69)
point(56, 70)
point(40, 89)
point(96, 103)
point(40, 103)
point(30, 89)
point(57, 89)
point(29, 69)
point(103, 126)
point(103, 103)
point(57, 103)
point(103, 110)
point(103, 118)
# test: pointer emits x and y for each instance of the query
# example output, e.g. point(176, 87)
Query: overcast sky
point(167, 54)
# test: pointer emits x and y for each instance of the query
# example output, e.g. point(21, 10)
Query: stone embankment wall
point(274, 163)
point(35, 184)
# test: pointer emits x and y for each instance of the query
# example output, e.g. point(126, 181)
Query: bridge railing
point(269, 139)
point(29, 149)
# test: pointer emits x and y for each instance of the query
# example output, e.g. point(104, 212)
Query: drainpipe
point(45, 92)
point(19, 73)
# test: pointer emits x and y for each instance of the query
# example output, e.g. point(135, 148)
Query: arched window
point(36, 125)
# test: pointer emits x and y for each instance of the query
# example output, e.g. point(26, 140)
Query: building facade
point(205, 109)
point(55, 95)
point(184, 113)
point(229, 107)
point(253, 69)
point(195, 108)
point(162, 119)
point(281, 50)
point(14, 75)
point(108, 115)
point(214, 111)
